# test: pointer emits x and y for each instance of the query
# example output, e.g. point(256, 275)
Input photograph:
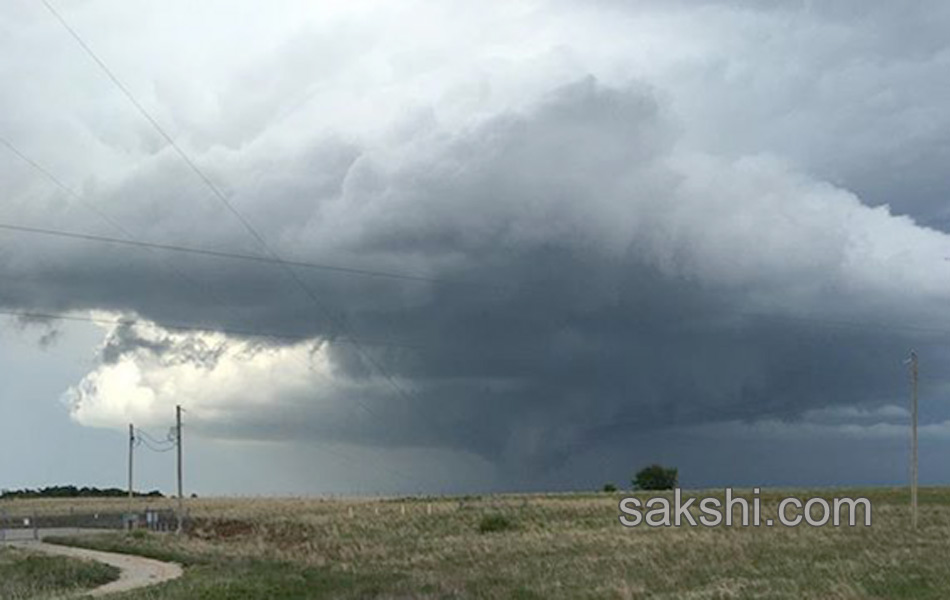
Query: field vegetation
point(25, 574)
point(532, 546)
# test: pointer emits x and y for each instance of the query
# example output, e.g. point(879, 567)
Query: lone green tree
point(656, 477)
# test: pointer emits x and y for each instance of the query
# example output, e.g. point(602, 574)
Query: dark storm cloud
point(587, 337)
point(619, 256)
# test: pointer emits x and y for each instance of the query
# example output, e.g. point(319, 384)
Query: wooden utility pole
point(178, 444)
point(913, 438)
point(131, 447)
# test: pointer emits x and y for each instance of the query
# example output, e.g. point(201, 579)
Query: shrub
point(656, 477)
point(495, 522)
point(609, 487)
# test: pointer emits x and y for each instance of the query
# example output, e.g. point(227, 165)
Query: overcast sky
point(547, 242)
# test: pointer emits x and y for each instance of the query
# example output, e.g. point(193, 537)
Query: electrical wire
point(239, 256)
point(145, 435)
point(244, 222)
point(56, 181)
point(129, 238)
point(143, 438)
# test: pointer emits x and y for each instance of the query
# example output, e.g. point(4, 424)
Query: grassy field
point(533, 546)
point(28, 575)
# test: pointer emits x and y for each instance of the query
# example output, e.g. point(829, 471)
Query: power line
point(130, 240)
point(239, 256)
point(264, 259)
point(164, 134)
point(245, 223)
point(914, 371)
point(177, 446)
point(159, 450)
point(145, 435)
point(143, 438)
point(62, 186)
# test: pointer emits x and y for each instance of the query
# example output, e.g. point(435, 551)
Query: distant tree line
point(71, 491)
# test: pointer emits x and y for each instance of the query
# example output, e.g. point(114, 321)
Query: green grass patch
point(159, 547)
point(213, 576)
point(495, 522)
point(25, 574)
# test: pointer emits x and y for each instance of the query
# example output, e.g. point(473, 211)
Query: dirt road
point(136, 572)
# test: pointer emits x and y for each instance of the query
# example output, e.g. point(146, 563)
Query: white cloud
point(211, 376)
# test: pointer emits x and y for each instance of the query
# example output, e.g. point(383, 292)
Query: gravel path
point(136, 572)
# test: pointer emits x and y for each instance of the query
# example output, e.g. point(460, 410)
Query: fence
point(30, 525)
